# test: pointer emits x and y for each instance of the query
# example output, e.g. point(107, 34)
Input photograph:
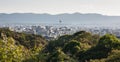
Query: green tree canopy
point(72, 47)
point(109, 41)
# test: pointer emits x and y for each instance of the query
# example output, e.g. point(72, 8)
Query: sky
point(105, 7)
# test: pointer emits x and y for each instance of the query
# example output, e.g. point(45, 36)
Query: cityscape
point(59, 31)
point(52, 31)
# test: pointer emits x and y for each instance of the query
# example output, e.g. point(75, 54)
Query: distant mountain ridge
point(75, 18)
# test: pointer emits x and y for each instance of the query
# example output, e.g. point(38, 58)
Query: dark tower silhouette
point(60, 21)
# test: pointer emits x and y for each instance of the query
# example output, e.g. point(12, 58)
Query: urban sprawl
point(54, 31)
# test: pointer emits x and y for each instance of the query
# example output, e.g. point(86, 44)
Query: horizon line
point(56, 13)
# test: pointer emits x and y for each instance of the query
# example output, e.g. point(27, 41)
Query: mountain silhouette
point(75, 18)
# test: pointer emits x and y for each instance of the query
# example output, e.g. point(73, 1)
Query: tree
point(72, 47)
point(109, 41)
point(59, 56)
point(9, 52)
point(102, 50)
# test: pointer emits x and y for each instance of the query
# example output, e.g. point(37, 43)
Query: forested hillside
point(79, 47)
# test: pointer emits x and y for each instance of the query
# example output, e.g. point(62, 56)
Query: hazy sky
point(107, 7)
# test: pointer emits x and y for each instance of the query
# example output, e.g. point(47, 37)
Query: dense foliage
point(79, 47)
point(18, 47)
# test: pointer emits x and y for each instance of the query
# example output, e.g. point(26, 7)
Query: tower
point(60, 21)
